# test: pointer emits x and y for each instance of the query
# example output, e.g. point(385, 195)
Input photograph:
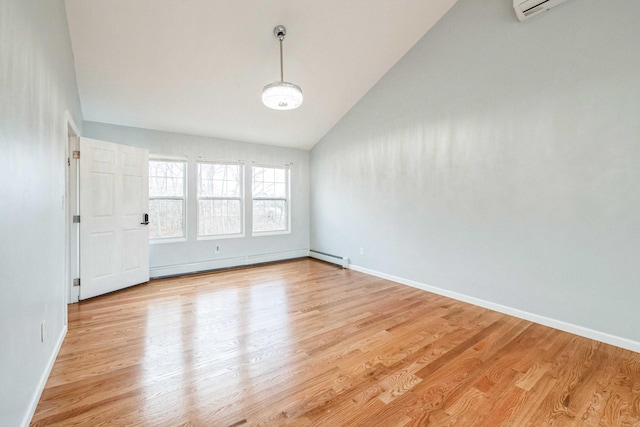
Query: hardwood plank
point(304, 343)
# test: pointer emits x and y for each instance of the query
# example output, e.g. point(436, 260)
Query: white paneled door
point(114, 198)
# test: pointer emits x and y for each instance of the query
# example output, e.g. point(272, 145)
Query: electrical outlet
point(217, 249)
point(361, 250)
point(42, 329)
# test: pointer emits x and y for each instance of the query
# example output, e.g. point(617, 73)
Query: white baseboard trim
point(532, 317)
point(196, 267)
point(43, 379)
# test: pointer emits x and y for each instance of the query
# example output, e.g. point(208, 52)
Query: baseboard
point(43, 379)
point(196, 267)
point(532, 317)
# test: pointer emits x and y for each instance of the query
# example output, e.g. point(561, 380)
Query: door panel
point(114, 196)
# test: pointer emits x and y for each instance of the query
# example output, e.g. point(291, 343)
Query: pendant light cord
point(281, 66)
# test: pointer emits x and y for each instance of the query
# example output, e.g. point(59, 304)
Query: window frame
point(184, 198)
point(287, 199)
point(242, 200)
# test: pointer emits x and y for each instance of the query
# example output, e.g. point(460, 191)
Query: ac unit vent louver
point(525, 9)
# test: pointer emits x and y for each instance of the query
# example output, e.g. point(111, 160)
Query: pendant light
point(281, 95)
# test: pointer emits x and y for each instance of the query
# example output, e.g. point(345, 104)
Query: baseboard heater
point(334, 259)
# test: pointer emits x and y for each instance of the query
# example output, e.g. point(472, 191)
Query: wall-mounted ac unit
point(525, 9)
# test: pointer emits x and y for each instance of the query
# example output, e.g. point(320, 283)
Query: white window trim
point(287, 168)
point(241, 198)
point(184, 198)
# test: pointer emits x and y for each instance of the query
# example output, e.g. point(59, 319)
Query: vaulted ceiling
point(199, 66)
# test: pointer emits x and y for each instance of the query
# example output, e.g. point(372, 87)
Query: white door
point(114, 198)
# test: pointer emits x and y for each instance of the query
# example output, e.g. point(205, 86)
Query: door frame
point(72, 232)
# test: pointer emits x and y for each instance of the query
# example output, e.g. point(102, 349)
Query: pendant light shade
point(281, 95)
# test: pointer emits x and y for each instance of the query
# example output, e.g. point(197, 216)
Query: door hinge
point(76, 154)
point(76, 281)
point(76, 219)
point(68, 161)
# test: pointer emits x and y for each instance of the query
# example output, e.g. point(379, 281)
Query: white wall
point(37, 85)
point(499, 160)
point(198, 255)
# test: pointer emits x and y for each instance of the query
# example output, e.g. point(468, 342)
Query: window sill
point(167, 240)
point(221, 237)
point(270, 233)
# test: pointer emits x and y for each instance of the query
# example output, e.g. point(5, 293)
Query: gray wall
point(37, 85)
point(194, 255)
point(500, 160)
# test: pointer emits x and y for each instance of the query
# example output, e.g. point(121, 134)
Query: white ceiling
point(198, 66)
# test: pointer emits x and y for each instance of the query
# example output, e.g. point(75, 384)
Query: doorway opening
point(72, 229)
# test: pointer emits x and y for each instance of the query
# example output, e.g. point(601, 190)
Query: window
point(220, 199)
point(166, 199)
point(270, 199)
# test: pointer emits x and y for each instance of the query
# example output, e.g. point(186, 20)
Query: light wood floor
point(307, 343)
